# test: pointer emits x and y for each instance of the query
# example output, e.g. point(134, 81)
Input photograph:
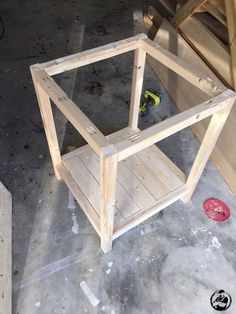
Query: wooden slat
point(230, 6)
point(140, 216)
point(181, 67)
point(87, 183)
point(134, 187)
point(77, 118)
point(186, 11)
point(5, 251)
point(93, 55)
point(137, 85)
point(172, 125)
point(79, 196)
point(161, 168)
point(145, 174)
point(124, 203)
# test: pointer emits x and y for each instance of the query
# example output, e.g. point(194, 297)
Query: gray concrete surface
point(171, 263)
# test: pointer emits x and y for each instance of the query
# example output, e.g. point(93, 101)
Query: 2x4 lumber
point(93, 55)
point(158, 132)
point(71, 111)
point(108, 175)
point(218, 4)
point(142, 215)
point(217, 14)
point(181, 67)
point(5, 251)
point(186, 11)
point(49, 126)
point(152, 21)
point(209, 47)
point(137, 85)
point(230, 6)
point(215, 127)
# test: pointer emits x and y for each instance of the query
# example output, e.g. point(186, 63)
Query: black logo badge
point(221, 300)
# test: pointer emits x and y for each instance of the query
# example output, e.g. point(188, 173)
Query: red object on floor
point(216, 209)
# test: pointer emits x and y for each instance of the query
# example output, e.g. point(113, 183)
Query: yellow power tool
point(151, 99)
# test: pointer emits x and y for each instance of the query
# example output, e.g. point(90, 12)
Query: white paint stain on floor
point(215, 244)
point(75, 228)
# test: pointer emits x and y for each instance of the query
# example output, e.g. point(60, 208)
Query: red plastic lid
point(216, 209)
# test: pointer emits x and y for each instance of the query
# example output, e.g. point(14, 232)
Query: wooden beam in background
point(186, 11)
point(230, 6)
point(209, 47)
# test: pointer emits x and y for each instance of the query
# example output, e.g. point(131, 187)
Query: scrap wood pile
point(201, 32)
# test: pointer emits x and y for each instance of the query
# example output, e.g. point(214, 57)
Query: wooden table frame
point(113, 149)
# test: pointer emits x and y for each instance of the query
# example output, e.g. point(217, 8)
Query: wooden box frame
point(93, 182)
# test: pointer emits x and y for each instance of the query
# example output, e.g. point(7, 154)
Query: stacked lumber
point(174, 36)
point(209, 27)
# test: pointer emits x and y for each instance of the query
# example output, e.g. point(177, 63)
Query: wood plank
point(93, 55)
point(186, 96)
point(209, 47)
point(87, 183)
point(142, 215)
point(5, 251)
point(108, 174)
point(181, 67)
point(230, 6)
point(134, 187)
point(84, 203)
point(78, 119)
point(186, 11)
point(158, 132)
point(145, 174)
point(124, 203)
point(160, 168)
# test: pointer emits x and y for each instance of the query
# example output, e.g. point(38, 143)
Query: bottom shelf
point(146, 183)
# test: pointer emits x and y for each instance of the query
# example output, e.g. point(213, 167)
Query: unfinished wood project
point(122, 179)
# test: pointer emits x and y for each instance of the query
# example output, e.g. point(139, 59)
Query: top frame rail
point(93, 55)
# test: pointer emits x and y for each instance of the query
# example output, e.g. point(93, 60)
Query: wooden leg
point(108, 168)
point(49, 126)
point(137, 84)
point(216, 125)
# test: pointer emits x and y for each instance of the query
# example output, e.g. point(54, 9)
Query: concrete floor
point(173, 262)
